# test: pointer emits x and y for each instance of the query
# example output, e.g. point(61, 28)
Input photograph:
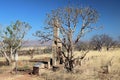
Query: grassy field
point(92, 68)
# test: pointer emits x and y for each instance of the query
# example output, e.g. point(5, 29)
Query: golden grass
point(35, 56)
point(29, 57)
point(89, 70)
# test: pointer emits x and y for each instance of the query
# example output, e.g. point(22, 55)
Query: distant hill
point(32, 43)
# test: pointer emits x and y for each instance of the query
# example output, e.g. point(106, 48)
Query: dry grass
point(29, 57)
point(91, 68)
point(35, 57)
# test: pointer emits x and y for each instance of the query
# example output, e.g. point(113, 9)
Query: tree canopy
point(12, 38)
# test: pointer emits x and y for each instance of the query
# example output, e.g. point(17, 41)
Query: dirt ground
point(9, 76)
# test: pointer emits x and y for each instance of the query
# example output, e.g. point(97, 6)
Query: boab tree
point(73, 23)
point(11, 39)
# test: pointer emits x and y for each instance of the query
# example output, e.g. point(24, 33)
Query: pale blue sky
point(34, 12)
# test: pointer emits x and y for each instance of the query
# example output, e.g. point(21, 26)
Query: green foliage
point(15, 33)
point(12, 38)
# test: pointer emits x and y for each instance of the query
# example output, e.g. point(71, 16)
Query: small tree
point(82, 46)
point(31, 53)
point(96, 42)
point(118, 41)
point(103, 40)
point(11, 39)
point(108, 41)
point(73, 23)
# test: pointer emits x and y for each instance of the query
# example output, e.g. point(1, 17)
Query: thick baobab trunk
point(56, 42)
point(54, 55)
